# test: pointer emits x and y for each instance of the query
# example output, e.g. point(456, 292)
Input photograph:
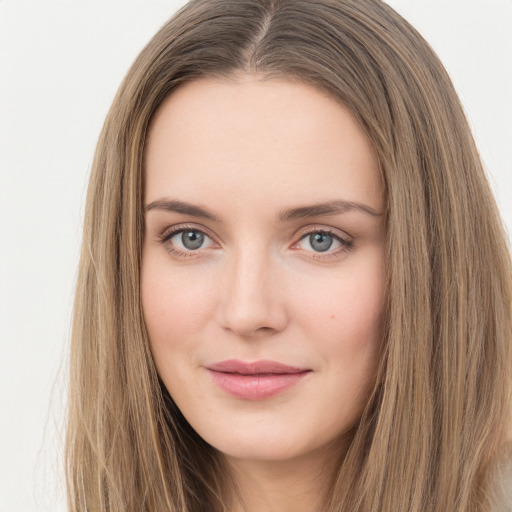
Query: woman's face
point(263, 276)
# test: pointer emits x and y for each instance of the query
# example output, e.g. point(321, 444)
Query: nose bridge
point(252, 301)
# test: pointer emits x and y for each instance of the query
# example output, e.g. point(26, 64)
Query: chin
point(269, 443)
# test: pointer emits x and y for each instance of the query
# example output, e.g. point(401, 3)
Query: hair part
point(438, 418)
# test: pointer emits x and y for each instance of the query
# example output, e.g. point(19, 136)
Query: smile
point(255, 381)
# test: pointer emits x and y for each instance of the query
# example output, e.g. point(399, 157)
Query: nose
point(252, 296)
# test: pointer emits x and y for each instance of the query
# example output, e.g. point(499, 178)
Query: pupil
point(192, 240)
point(320, 242)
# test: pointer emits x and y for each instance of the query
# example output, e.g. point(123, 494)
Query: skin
point(247, 149)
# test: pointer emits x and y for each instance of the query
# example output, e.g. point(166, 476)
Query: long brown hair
point(438, 417)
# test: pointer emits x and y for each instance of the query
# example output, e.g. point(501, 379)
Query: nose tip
point(252, 303)
point(249, 322)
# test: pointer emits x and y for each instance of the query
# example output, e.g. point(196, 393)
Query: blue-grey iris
point(320, 242)
point(192, 239)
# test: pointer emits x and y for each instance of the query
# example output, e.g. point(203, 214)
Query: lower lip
point(257, 386)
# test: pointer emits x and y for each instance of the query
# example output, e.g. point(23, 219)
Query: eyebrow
point(302, 212)
point(170, 205)
point(327, 208)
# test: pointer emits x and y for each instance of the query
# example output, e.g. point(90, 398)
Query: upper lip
point(254, 368)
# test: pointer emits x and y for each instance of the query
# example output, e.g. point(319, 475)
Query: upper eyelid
point(345, 241)
point(343, 235)
point(170, 231)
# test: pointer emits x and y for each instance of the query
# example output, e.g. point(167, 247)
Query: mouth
point(255, 381)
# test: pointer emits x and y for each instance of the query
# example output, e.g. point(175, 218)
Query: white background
point(60, 65)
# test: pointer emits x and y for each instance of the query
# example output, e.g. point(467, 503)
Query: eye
point(185, 241)
point(320, 242)
point(189, 240)
point(323, 241)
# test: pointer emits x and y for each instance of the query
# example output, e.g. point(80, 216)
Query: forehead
point(258, 140)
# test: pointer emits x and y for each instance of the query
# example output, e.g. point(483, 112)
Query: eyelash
point(346, 243)
point(176, 230)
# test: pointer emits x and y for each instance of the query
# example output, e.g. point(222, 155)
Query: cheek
point(176, 305)
point(350, 302)
point(344, 316)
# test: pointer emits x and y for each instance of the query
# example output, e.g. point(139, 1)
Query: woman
point(294, 290)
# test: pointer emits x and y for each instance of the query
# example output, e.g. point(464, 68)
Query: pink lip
point(255, 381)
